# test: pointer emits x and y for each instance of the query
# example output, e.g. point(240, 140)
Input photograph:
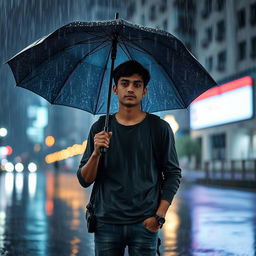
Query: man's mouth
point(130, 96)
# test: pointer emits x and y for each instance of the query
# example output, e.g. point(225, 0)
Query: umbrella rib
point(78, 63)
point(129, 54)
point(158, 62)
point(150, 39)
point(101, 82)
point(90, 40)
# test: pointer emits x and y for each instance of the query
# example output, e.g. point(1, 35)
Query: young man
point(136, 180)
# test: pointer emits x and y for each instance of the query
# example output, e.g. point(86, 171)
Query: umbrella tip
point(116, 15)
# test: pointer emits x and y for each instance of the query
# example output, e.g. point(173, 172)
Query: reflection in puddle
point(170, 230)
point(32, 180)
point(49, 204)
point(2, 228)
point(220, 226)
point(19, 185)
point(9, 184)
point(75, 246)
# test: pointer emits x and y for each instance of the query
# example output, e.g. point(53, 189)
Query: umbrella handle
point(103, 149)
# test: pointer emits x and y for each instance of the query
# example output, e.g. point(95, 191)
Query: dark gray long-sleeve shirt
point(132, 177)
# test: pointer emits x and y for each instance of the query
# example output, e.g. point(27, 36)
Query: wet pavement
point(43, 214)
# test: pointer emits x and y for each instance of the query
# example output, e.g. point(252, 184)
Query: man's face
point(130, 90)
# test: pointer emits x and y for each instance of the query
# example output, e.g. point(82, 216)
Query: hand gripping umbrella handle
point(102, 149)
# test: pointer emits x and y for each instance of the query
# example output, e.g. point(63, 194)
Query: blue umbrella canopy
point(72, 66)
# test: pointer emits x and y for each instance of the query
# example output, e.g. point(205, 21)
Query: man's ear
point(114, 89)
point(144, 92)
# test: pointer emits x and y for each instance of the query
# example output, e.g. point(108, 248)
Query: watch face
point(160, 220)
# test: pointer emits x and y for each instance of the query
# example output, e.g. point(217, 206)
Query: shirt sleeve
point(171, 171)
point(88, 151)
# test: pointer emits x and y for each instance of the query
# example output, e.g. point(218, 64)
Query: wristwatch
point(160, 220)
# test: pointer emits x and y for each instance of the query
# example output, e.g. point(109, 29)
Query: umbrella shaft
point(113, 57)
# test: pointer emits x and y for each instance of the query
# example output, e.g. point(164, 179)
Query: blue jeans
point(111, 240)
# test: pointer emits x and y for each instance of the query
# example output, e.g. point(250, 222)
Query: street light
point(3, 132)
point(172, 122)
point(32, 167)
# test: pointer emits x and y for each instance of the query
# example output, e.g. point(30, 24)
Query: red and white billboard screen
point(226, 103)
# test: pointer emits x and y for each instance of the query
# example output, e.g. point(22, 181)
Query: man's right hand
point(101, 139)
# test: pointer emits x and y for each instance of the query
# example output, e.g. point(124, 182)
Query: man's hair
point(130, 68)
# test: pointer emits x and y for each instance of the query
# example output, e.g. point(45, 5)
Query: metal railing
point(231, 169)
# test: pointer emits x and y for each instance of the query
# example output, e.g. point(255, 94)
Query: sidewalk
point(199, 176)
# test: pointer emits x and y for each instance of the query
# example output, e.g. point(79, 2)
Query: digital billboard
point(223, 104)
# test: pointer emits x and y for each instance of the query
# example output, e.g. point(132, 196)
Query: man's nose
point(130, 88)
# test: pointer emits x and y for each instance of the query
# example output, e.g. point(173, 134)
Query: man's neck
point(130, 116)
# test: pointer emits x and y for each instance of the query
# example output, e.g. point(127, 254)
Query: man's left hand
point(151, 224)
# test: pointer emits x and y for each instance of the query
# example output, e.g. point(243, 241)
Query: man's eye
point(124, 84)
point(137, 85)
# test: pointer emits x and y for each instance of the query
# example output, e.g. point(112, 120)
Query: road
point(43, 214)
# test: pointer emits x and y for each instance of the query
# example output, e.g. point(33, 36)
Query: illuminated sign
point(226, 103)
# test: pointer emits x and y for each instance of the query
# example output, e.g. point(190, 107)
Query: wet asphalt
point(43, 214)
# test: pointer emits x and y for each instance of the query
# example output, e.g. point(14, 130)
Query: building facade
point(226, 46)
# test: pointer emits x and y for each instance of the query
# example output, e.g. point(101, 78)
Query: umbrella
point(73, 66)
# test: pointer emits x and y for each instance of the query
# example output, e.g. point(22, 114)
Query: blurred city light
point(19, 167)
point(3, 151)
point(32, 167)
point(9, 150)
point(9, 167)
point(4, 161)
point(66, 153)
point(2, 164)
point(18, 159)
point(172, 122)
point(37, 148)
point(3, 132)
point(49, 141)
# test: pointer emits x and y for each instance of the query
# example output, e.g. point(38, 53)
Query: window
point(209, 63)
point(143, 19)
point(241, 18)
point(152, 13)
point(218, 143)
point(208, 37)
point(163, 6)
point(207, 8)
point(253, 47)
point(131, 10)
point(209, 34)
point(165, 25)
point(253, 14)
point(242, 50)
point(221, 65)
point(220, 5)
point(220, 35)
